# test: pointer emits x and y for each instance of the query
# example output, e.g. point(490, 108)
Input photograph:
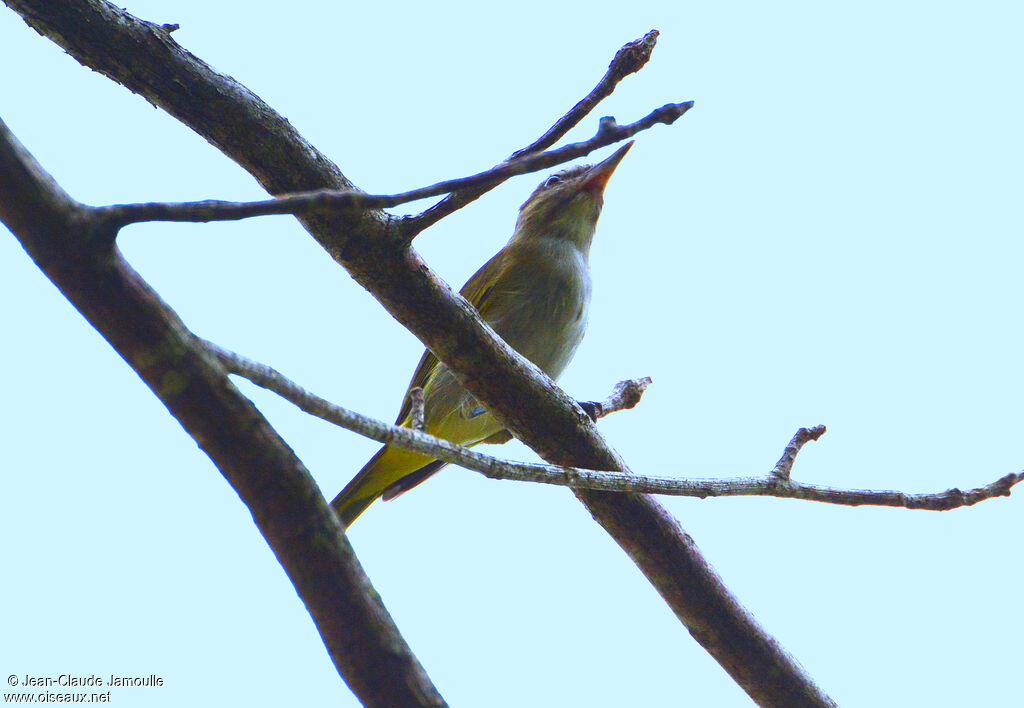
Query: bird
point(535, 294)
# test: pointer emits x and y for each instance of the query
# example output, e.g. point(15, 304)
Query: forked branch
point(119, 215)
point(628, 60)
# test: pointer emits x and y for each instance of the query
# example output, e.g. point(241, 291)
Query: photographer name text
point(70, 680)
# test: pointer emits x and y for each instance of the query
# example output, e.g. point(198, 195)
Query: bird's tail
point(385, 468)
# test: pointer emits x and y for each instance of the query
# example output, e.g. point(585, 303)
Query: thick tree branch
point(286, 504)
point(145, 59)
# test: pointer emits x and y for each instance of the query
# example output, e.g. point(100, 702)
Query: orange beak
point(600, 173)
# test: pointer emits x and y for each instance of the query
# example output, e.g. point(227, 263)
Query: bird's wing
point(479, 288)
point(482, 294)
point(477, 291)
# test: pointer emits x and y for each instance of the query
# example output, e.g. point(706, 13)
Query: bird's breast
point(542, 311)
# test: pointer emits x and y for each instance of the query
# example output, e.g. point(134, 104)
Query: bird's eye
point(552, 181)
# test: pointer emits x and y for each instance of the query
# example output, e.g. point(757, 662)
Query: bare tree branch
point(144, 58)
point(631, 58)
point(625, 395)
point(417, 415)
point(286, 503)
point(939, 501)
point(784, 466)
point(413, 438)
point(740, 487)
point(628, 60)
point(120, 215)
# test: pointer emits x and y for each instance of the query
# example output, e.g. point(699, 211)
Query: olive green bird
point(534, 293)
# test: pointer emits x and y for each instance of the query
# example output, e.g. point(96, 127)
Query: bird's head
point(566, 205)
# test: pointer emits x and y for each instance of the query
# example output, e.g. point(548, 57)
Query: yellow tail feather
point(385, 468)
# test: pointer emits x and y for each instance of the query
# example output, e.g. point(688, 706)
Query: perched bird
point(534, 293)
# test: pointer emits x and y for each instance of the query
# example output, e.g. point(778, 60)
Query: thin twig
point(629, 59)
point(625, 395)
point(119, 215)
point(494, 468)
point(271, 379)
point(939, 501)
point(735, 487)
point(416, 408)
point(784, 466)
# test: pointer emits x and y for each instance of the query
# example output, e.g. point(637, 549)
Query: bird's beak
point(600, 173)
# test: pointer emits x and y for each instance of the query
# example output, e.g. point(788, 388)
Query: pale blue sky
point(832, 235)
